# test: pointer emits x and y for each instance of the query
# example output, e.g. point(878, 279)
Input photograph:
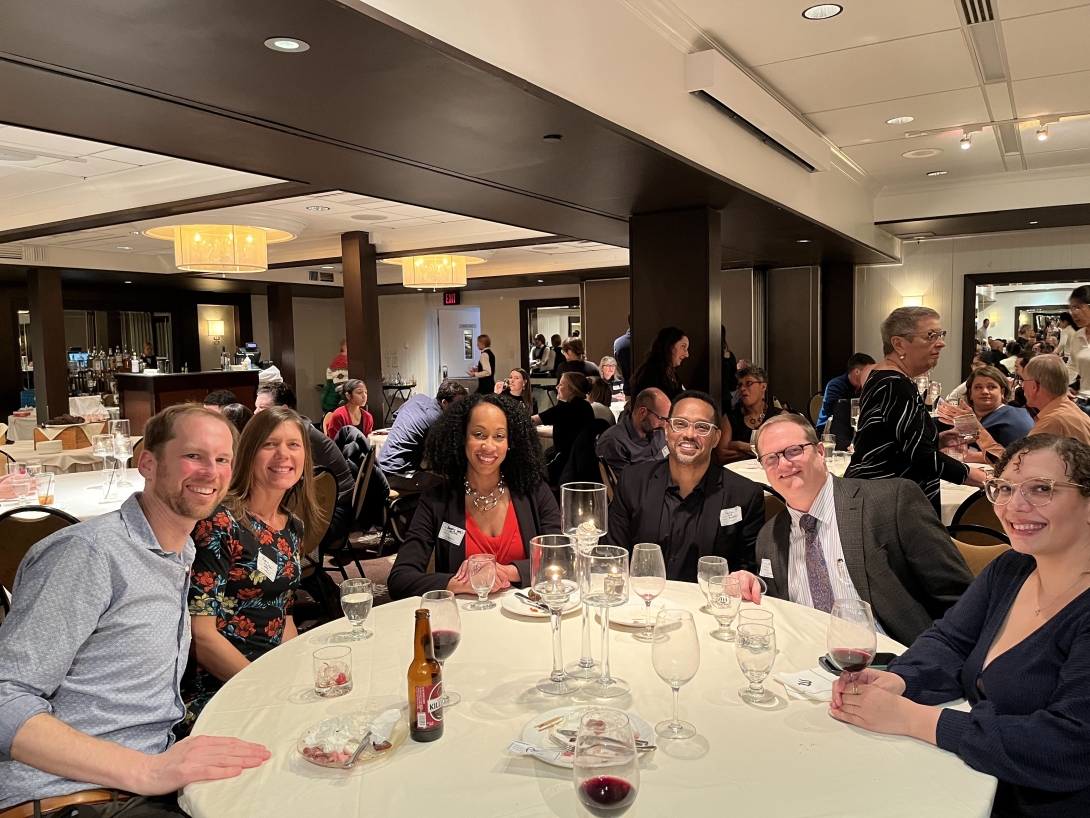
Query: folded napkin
point(814, 684)
point(383, 726)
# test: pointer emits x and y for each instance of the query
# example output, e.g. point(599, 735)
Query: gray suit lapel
point(849, 521)
point(781, 548)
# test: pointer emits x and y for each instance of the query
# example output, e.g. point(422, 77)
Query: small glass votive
point(45, 484)
point(333, 671)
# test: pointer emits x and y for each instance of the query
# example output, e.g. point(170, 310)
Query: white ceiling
point(878, 60)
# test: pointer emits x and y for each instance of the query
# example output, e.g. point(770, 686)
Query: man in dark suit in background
point(690, 507)
point(875, 540)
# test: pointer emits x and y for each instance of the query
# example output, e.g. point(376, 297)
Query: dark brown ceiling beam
point(430, 251)
point(163, 210)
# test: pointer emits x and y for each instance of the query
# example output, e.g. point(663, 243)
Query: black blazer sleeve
point(625, 498)
point(409, 576)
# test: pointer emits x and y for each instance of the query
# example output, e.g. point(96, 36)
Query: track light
point(1042, 134)
point(966, 142)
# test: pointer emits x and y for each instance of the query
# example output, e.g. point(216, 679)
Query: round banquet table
point(951, 495)
point(794, 761)
point(80, 494)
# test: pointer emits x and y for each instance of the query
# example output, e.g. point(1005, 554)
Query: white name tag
point(265, 565)
point(452, 534)
point(665, 451)
point(730, 516)
point(766, 569)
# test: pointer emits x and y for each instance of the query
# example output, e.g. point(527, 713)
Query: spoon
point(355, 756)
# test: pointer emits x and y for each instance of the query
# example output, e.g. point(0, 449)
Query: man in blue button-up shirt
point(844, 387)
point(94, 648)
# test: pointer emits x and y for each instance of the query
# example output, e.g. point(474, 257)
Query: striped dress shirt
point(798, 583)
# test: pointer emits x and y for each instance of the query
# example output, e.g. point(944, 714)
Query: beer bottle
point(425, 684)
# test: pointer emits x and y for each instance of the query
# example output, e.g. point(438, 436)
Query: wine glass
point(648, 575)
point(446, 633)
point(584, 512)
point(123, 451)
point(482, 576)
point(675, 653)
point(922, 383)
point(934, 392)
point(724, 601)
point(605, 766)
point(828, 443)
point(852, 639)
point(604, 585)
point(554, 574)
point(753, 442)
point(119, 427)
point(756, 652)
point(855, 414)
point(706, 568)
point(357, 597)
point(102, 446)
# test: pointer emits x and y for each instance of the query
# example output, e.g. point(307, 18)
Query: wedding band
point(855, 689)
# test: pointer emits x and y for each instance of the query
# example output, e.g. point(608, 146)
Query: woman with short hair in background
point(485, 370)
point(611, 373)
point(575, 359)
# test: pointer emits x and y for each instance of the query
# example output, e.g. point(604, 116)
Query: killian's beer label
point(429, 705)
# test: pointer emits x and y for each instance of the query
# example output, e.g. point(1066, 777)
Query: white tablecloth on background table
point(796, 761)
point(86, 405)
point(951, 496)
point(21, 428)
point(80, 494)
point(377, 441)
point(70, 460)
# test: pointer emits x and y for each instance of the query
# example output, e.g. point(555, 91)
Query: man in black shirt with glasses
point(686, 504)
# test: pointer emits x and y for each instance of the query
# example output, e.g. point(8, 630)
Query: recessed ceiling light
point(1033, 222)
point(317, 207)
point(900, 120)
point(921, 153)
point(541, 281)
point(327, 266)
point(288, 45)
point(128, 282)
point(134, 232)
point(937, 173)
point(803, 241)
point(966, 142)
point(370, 217)
point(12, 155)
point(123, 247)
point(553, 137)
point(823, 11)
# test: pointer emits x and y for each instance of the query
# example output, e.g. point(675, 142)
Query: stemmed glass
point(119, 430)
point(604, 585)
point(584, 511)
point(605, 767)
point(934, 392)
point(855, 414)
point(357, 597)
point(446, 633)
point(554, 573)
point(102, 446)
point(852, 639)
point(482, 576)
point(756, 652)
point(675, 653)
point(706, 568)
point(648, 575)
point(724, 601)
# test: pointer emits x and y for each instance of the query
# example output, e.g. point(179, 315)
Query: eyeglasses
point(791, 454)
point(658, 417)
point(748, 384)
point(701, 427)
point(1037, 490)
point(932, 337)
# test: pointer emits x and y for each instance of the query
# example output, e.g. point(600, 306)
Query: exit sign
point(452, 299)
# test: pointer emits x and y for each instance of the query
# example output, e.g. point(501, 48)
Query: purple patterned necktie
point(817, 572)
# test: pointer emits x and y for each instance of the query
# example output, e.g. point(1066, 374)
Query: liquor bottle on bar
point(425, 684)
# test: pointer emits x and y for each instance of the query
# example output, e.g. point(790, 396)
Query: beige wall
point(605, 311)
point(210, 350)
point(936, 270)
point(737, 314)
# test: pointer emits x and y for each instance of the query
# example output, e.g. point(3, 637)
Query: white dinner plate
point(570, 721)
point(512, 604)
point(634, 615)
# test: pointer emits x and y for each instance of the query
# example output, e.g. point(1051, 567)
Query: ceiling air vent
point(11, 251)
point(22, 252)
point(321, 275)
point(984, 32)
point(977, 11)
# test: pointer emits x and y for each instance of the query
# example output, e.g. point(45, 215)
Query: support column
point(837, 319)
point(361, 326)
point(47, 343)
point(675, 258)
point(282, 331)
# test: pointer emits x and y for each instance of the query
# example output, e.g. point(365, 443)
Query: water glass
point(675, 654)
point(357, 598)
point(584, 514)
point(102, 446)
point(482, 576)
point(554, 575)
point(724, 600)
point(23, 484)
point(755, 616)
point(110, 477)
point(122, 452)
point(855, 414)
point(605, 767)
point(34, 467)
point(828, 443)
point(934, 392)
point(648, 576)
point(17, 468)
point(44, 483)
point(967, 427)
point(756, 653)
point(922, 382)
point(332, 671)
point(604, 584)
point(446, 633)
point(119, 428)
point(852, 638)
point(706, 568)
point(839, 463)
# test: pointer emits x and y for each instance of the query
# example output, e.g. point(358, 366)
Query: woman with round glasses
point(741, 421)
point(1016, 646)
point(896, 436)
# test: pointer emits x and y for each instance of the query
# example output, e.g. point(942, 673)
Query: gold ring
point(855, 689)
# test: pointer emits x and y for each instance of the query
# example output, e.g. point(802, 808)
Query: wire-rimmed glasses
point(604, 584)
point(1037, 491)
point(584, 512)
point(554, 575)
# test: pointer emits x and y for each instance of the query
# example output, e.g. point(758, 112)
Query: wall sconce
point(994, 317)
point(215, 330)
point(912, 301)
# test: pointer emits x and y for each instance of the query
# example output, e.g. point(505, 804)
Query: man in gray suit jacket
point(875, 540)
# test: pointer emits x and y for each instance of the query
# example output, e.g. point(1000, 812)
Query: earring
point(902, 357)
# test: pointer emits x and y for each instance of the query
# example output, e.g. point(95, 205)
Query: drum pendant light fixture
point(434, 272)
point(220, 248)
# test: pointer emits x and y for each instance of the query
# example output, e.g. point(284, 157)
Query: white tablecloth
point(21, 428)
point(796, 761)
point(71, 460)
point(80, 494)
point(950, 495)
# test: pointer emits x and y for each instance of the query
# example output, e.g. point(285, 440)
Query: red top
point(507, 547)
point(340, 418)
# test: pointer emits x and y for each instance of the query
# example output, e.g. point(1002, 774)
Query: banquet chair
point(359, 494)
point(815, 407)
point(977, 511)
point(20, 529)
point(978, 557)
point(608, 478)
point(310, 556)
point(774, 503)
point(137, 450)
point(9, 458)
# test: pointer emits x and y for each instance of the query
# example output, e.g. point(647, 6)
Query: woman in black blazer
point(488, 449)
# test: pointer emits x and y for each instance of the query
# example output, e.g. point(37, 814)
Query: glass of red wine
point(852, 639)
point(446, 633)
point(605, 767)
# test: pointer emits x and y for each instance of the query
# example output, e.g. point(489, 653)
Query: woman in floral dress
point(247, 567)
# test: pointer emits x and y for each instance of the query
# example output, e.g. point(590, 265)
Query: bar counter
point(141, 396)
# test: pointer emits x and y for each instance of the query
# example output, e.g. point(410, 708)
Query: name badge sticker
point(266, 566)
point(452, 534)
point(665, 452)
point(730, 516)
point(766, 569)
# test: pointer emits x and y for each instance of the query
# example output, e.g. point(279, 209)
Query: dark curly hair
point(660, 357)
point(1074, 453)
point(523, 467)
